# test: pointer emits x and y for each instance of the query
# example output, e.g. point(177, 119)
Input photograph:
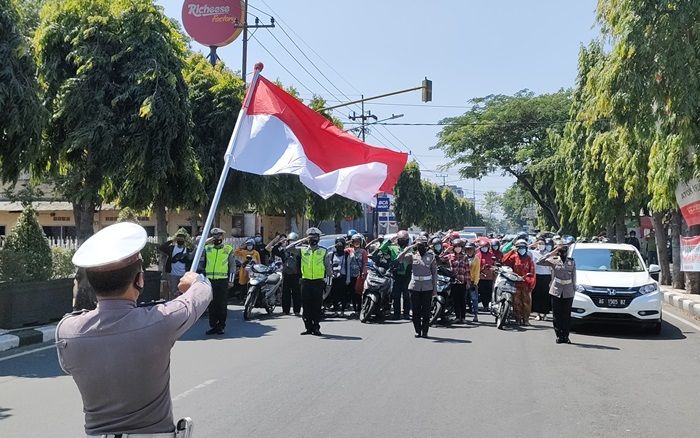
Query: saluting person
point(119, 354)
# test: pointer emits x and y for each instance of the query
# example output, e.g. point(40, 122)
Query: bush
point(26, 244)
point(62, 260)
point(150, 255)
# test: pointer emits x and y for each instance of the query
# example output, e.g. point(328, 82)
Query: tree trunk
point(677, 277)
point(610, 231)
point(620, 227)
point(549, 212)
point(692, 283)
point(338, 227)
point(161, 221)
point(288, 217)
point(84, 214)
point(661, 234)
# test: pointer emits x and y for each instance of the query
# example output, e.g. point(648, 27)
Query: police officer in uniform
point(119, 354)
point(220, 263)
point(314, 270)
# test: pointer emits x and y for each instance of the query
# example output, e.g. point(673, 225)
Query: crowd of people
point(308, 270)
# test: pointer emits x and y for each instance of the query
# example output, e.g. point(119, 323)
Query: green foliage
point(21, 114)
point(515, 202)
point(409, 201)
point(509, 134)
point(150, 255)
point(26, 254)
point(127, 214)
point(62, 262)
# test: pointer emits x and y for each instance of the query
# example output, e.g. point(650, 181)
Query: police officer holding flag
point(119, 353)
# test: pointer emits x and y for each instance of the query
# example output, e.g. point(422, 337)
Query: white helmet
point(293, 236)
point(313, 230)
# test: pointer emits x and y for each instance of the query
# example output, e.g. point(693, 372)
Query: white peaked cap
point(112, 248)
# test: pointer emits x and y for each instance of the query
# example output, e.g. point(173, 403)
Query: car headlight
point(648, 288)
point(580, 289)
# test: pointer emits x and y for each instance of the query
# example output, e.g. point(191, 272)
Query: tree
point(120, 122)
point(409, 200)
point(26, 255)
point(492, 201)
point(22, 115)
point(508, 134)
point(515, 203)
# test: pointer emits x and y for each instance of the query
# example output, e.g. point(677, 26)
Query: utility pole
point(363, 118)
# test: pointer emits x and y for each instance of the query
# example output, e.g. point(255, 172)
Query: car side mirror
point(654, 269)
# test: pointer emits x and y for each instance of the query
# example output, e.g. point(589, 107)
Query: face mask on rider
point(437, 248)
point(484, 249)
point(495, 247)
point(249, 247)
point(522, 251)
point(548, 248)
point(540, 246)
point(313, 240)
point(218, 240)
point(458, 249)
point(422, 248)
point(403, 243)
point(180, 241)
point(339, 247)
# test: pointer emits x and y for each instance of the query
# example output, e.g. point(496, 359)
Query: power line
point(474, 123)
point(281, 65)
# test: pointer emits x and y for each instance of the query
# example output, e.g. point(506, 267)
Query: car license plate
point(612, 302)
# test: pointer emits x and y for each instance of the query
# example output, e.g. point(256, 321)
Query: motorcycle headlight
point(648, 288)
point(257, 276)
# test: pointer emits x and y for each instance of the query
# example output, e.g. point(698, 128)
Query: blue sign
point(382, 204)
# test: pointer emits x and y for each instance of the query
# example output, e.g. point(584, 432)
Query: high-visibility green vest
point(217, 261)
point(313, 266)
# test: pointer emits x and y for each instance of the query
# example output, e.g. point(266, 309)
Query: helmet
point(521, 236)
point(351, 232)
point(424, 234)
point(458, 242)
point(313, 230)
point(521, 243)
point(356, 237)
point(549, 241)
point(483, 241)
point(470, 245)
point(340, 240)
point(454, 235)
point(249, 242)
point(215, 231)
point(421, 239)
point(436, 241)
point(496, 242)
point(402, 234)
point(293, 236)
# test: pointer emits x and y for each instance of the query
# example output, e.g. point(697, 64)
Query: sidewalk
point(690, 304)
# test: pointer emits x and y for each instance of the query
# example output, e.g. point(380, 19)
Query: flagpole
point(228, 158)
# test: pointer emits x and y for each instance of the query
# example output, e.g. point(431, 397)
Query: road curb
point(24, 337)
point(689, 304)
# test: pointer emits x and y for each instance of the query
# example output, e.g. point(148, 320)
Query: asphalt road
point(264, 380)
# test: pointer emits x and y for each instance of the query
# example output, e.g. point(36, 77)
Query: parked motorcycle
point(501, 305)
point(442, 306)
point(264, 287)
point(376, 296)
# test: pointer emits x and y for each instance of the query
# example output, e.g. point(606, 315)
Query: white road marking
point(190, 391)
point(686, 322)
point(24, 353)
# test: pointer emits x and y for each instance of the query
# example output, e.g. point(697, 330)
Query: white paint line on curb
point(190, 391)
point(8, 341)
point(24, 353)
point(686, 322)
point(48, 331)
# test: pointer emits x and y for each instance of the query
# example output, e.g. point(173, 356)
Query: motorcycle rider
point(260, 247)
point(541, 303)
point(423, 285)
point(402, 276)
point(496, 249)
point(340, 263)
point(487, 263)
point(357, 257)
point(219, 263)
point(243, 253)
point(459, 265)
point(522, 264)
point(291, 272)
point(314, 270)
point(474, 271)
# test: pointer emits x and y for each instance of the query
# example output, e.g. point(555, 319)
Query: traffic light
point(427, 90)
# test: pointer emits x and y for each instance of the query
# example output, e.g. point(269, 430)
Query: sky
point(468, 48)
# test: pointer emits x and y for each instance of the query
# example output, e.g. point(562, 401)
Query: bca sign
point(383, 204)
point(213, 22)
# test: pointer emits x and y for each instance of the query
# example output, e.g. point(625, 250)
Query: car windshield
point(607, 260)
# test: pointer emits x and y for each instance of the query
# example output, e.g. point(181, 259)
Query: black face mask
point(403, 243)
point(180, 241)
point(218, 241)
point(339, 247)
point(422, 249)
point(314, 240)
point(562, 255)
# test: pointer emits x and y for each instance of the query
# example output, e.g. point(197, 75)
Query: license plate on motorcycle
point(612, 302)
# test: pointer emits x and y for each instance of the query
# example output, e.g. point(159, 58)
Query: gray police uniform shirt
point(563, 283)
point(119, 357)
point(423, 271)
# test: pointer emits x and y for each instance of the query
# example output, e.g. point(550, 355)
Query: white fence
point(72, 243)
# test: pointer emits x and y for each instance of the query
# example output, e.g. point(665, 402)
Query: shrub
point(62, 260)
point(27, 244)
point(150, 255)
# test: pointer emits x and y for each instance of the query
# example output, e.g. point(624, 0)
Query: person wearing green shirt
point(402, 276)
point(652, 255)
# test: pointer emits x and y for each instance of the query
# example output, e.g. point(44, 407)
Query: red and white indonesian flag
point(278, 134)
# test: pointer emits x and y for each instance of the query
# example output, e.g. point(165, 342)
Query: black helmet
point(340, 240)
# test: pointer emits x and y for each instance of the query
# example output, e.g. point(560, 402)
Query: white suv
point(614, 285)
